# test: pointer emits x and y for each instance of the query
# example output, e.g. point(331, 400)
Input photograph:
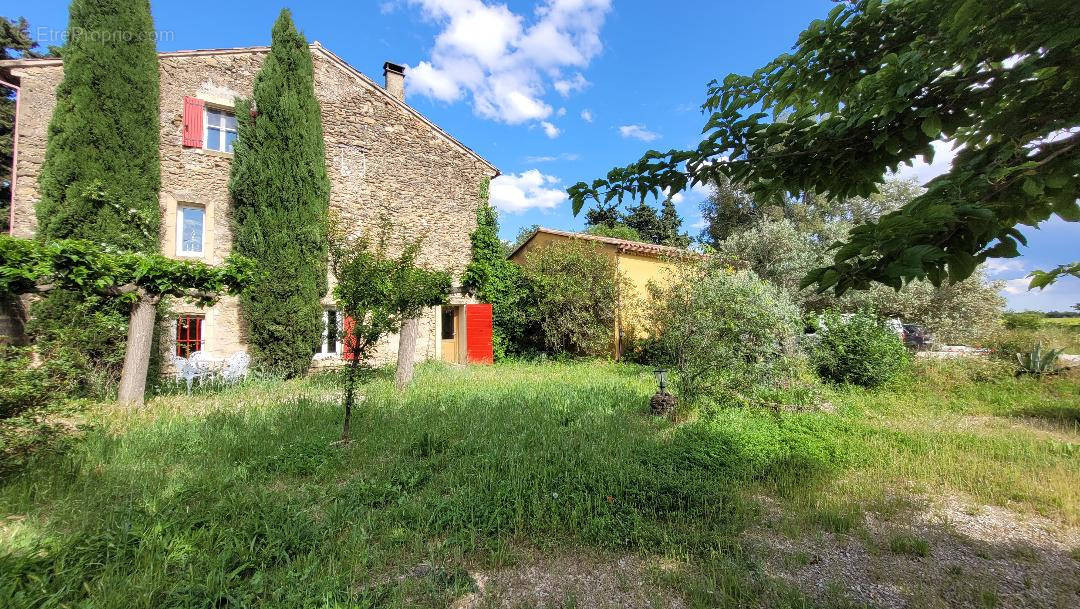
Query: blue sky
point(557, 91)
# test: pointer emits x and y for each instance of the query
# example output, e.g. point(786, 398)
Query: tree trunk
point(406, 354)
point(137, 358)
point(350, 396)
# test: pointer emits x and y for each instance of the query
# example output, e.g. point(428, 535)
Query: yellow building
point(639, 263)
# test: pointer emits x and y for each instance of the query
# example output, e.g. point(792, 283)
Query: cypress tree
point(101, 174)
point(670, 224)
point(281, 192)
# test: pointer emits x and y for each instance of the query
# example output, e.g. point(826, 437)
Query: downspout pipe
point(14, 154)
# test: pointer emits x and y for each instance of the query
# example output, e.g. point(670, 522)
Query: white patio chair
point(236, 367)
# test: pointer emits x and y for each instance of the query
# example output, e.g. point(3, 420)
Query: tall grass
point(243, 498)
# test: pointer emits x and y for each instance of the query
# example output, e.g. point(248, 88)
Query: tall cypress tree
point(102, 173)
point(281, 192)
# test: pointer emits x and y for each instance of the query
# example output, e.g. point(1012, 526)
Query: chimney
point(395, 79)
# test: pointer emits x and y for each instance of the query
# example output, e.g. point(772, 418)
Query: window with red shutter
point(193, 122)
point(478, 342)
point(189, 337)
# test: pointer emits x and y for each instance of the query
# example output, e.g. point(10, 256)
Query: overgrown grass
point(243, 498)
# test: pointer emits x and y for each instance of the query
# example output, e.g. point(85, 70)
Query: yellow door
point(449, 334)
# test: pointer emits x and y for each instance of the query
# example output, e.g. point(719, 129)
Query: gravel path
point(977, 556)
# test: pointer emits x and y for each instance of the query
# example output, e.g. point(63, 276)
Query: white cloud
point(1001, 266)
point(516, 193)
point(921, 171)
point(1018, 286)
point(566, 156)
point(677, 198)
point(504, 61)
point(561, 112)
point(638, 132)
point(386, 8)
point(586, 115)
point(426, 79)
point(566, 86)
point(550, 130)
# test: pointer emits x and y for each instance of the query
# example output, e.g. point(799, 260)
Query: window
point(189, 338)
point(220, 130)
point(448, 319)
point(332, 333)
point(190, 224)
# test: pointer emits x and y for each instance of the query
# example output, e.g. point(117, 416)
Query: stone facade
point(386, 163)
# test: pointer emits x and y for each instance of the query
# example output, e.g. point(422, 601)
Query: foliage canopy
point(874, 85)
point(28, 266)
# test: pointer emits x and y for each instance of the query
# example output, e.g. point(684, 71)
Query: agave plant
point(1038, 362)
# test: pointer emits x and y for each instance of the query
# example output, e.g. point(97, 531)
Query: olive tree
point(723, 331)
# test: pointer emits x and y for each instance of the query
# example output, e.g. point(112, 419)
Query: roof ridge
point(639, 246)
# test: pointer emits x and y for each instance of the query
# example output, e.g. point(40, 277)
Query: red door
point(478, 346)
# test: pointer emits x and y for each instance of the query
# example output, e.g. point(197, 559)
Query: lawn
point(521, 473)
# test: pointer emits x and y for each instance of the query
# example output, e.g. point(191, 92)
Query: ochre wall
point(637, 269)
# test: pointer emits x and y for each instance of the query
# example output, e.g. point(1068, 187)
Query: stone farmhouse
point(385, 160)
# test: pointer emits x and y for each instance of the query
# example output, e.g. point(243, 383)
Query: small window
point(190, 226)
point(332, 333)
point(189, 337)
point(220, 130)
point(448, 324)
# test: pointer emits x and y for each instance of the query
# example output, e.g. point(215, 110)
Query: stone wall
point(387, 165)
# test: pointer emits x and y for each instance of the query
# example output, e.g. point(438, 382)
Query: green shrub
point(1027, 320)
point(1005, 343)
point(26, 385)
point(574, 290)
point(723, 332)
point(858, 350)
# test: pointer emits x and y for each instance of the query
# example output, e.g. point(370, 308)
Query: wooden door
point(449, 333)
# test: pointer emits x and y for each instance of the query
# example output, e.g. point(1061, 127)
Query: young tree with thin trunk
point(281, 193)
point(378, 293)
point(138, 279)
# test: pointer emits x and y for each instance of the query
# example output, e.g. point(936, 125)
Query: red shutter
point(478, 329)
point(193, 122)
point(347, 340)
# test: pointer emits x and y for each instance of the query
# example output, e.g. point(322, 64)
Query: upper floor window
point(190, 229)
point(220, 130)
